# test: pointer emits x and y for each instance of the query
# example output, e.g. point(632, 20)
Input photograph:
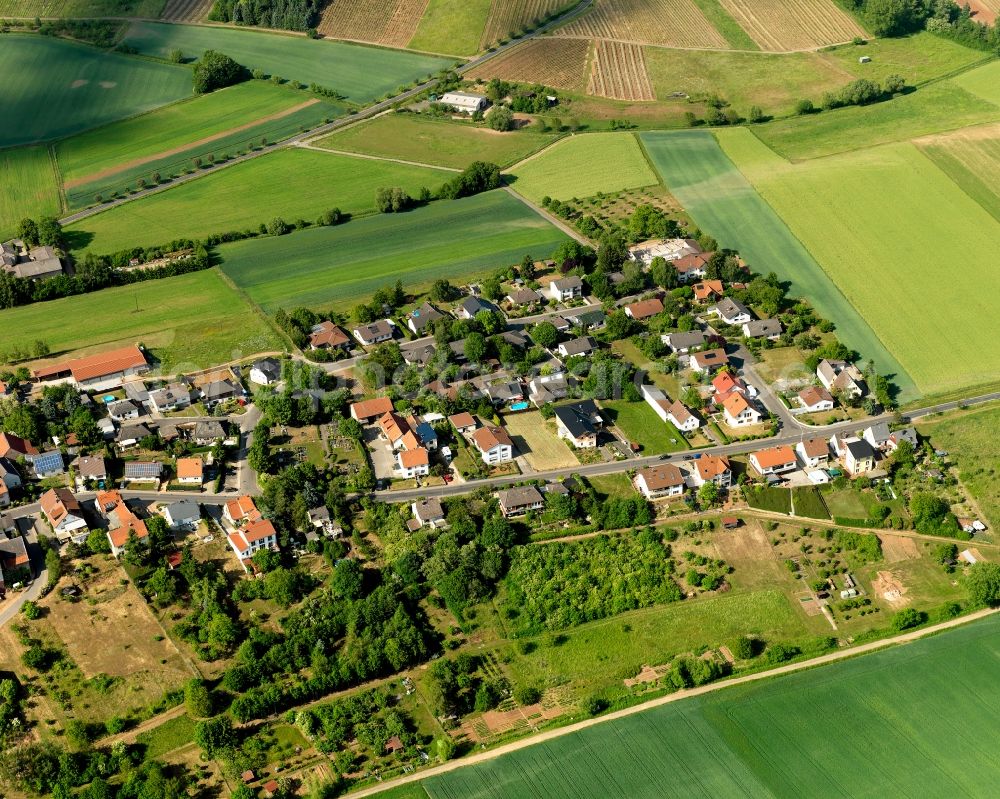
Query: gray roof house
point(683, 341)
point(732, 312)
point(421, 317)
point(209, 432)
point(762, 328)
point(470, 306)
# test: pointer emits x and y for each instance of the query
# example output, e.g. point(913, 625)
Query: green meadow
point(875, 220)
point(339, 266)
point(971, 158)
point(359, 73)
point(29, 186)
point(292, 184)
point(914, 719)
point(582, 166)
point(451, 26)
point(188, 322)
point(724, 204)
point(54, 88)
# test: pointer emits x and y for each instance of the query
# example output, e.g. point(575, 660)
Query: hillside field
point(359, 73)
point(189, 322)
point(451, 26)
point(342, 265)
point(794, 25)
point(388, 22)
point(859, 727)
point(54, 88)
point(581, 166)
point(971, 158)
point(114, 157)
point(29, 187)
point(69, 9)
point(438, 142)
point(874, 219)
point(290, 183)
point(724, 204)
point(671, 23)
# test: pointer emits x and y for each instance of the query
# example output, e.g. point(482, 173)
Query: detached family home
point(578, 346)
point(676, 413)
point(579, 423)
point(712, 469)
point(644, 309)
point(367, 411)
point(813, 452)
point(494, 445)
point(662, 480)
point(63, 512)
point(251, 538)
point(174, 397)
point(774, 460)
point(708, 360)
point(815, 399)
point(265, 372)
point(374, 333)
point(763, 328)
point(520, 500)
point(566, 288)
point(327, 336)
point(738, 411)
point(692, 267)
point(428, 513)
point(841, 376)
point(682, 343)
point(421, 317)
point(732, 312)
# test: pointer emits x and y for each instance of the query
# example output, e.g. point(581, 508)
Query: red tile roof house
point(122, 522)
point(251, 538)
point(327, 336)
point(413, 462)
point(644, 309)
point(774, 460)
point(99, 372)
point(63, 512)
point(708, 360)
point(13, 447)
point(815, 398)
point(711, 468)
point(738, 412)
point(190, 471)
point(369, 410)
point(238, 511)
point(494, 445)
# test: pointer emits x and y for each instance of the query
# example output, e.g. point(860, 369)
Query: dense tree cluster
point(561, 585)
point(477, 177)
point(932, 515)
point(369, 718)
point(294, 15)
point(461, 685)
point(215, 70)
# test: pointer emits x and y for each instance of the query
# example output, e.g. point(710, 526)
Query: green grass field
point(970, 440)
point(971, 158)
point(451, 26)
point(723, 203)
point(931, 109)
point(581, 166)
point(29, 187)
point(638, 422)
point(983, 82)
point(291, 183)
point(55, 88)
point(189, 322)
point(341, 265)
point(168, 736)
point(359, 73)
point(114, 157)
point(874, 219)
point(440, 142)
point(912, 719)
point(721, 20)
point(744, 79)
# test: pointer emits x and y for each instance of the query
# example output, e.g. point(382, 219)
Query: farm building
point(99, 372)
point(36, 263)
point(466, 102)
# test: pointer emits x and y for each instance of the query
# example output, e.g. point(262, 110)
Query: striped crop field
point(673, 23)
point(794, 24)
point(910, 720)
point(339, 266)
point(618, 72)
point(971, 158)
point(512, 16)
point(186, 10)
point(874, 219)
point(559, 63)
point(72, 9)
point(388, 22)
point(725, 205)
point(29, 187)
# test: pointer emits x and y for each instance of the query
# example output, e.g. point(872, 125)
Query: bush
point(804, 107)
point(176, 56)
point(594, 705)
point(501, 118)
point(216, 70)
point(908, 618)
point(527, 695)
point(31, 610)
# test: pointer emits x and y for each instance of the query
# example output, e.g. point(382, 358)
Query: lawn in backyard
point(291, 183)
point(970, 438)
point(640, 425)
point(54, 88)
point(930, 109)
point(537, 441)
point(167, 140)
point(359, 73)
point(845, 503)
point(29, 187)
point(874, 220)
point(724, 204)
point(582, 166)
point(763, 739)
point(340, 266)
point(412, 137)
point(451, 26)
point(188, 322)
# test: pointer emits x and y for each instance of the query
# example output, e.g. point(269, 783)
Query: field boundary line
point(50, 149)
point(304, 145)
point(792, 668)
point(256, 309)
point(816, 49)
point(558, 223)
point(545, 148)
point(124, 167)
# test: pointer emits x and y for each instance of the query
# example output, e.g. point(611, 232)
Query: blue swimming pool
point(108, 398)
point(519, 406)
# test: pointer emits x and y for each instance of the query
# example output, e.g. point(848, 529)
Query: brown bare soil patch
point(793, 24)
point(137, 162)
point(889, 587)
point(984, 10)
point(512, 16)
point(646, 675)
point(896, 548)
point(559, 63)
point(809, 604)
point(389, 22)
point(618, 72)
point(672, 23)
point(509, 716)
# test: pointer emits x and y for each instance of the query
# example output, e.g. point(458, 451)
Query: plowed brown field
point(673, 23)
point(619, 72)
point(389, 22)
point(559, 63)
point(793, 24)
point(511, 16)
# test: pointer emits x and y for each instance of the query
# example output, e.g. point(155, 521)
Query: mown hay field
point(618, 72)
point(29, 186)
point(359, 73)
point(167, 140)
point(291, 184)
point(54, 88)
point(794, 24)
point(558, 63)
point(673, 23)
point(451, 26)
point(983, 81)
point(971, 158)
point(439, 142)
point(875, 220)
point(189, 322)
point(724, 204)
point(513, 16)
point(340, 266)
point(388, 22)
point(582, 166)
point(912, 718)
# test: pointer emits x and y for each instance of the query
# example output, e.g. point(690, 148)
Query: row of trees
point(296, 15)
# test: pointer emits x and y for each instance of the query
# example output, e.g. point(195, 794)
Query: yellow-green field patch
point(28, 187)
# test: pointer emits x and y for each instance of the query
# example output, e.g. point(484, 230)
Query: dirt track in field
point(115, 170)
